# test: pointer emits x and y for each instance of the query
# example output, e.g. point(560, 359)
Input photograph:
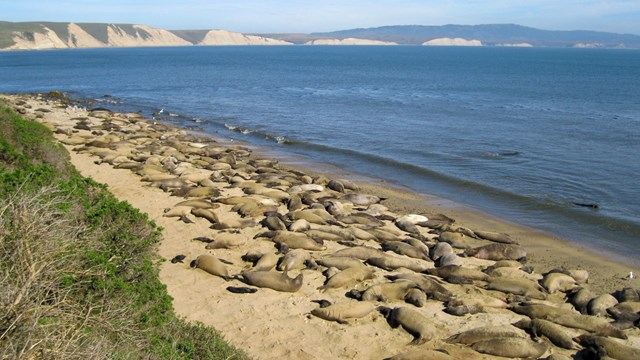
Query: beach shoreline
point(271, 323)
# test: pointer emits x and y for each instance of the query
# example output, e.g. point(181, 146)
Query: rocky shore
point(288, 262)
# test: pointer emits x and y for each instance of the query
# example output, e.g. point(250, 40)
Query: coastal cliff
point(452, 42)
point(39, 36)
point(349, 41)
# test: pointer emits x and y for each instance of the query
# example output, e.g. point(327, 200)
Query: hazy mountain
point(490, 35)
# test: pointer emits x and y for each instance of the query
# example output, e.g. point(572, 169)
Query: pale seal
point(273, 280)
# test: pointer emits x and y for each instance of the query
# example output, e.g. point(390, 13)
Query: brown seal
point(555, 333)
point(273, 280)
point(412, 321)
point(348, 277)
point(341, 312)
point(474, 335)
point(388, 291)
point(497, 252)
point(212, 265)
point(613, 348)
point(511, 347)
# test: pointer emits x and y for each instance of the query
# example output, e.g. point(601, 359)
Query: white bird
point(631, 276)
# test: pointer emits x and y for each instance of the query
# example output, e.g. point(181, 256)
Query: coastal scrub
point(78, 268)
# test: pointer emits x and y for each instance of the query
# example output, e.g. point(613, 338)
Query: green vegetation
point(8, 28)
point(192, 36)
point(98, 31)
point(78, 268)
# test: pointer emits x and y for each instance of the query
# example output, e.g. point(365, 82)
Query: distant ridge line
point(60, 35)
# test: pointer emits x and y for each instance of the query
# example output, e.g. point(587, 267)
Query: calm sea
point(523, 134)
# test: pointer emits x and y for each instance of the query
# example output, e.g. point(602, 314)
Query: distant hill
point(497, 34)
point(56, 35)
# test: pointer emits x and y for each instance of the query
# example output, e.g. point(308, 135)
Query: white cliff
point(349, 41)
point(223, 37)
point(144, 36)
point(47, 39)
point(452, 42)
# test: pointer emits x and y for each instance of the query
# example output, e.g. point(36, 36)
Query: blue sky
point(622, 16)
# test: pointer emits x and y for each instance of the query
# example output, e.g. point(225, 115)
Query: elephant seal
point(340, 262)
point(273, 280)
point(554, 282)
point(555, 333)
point(457, 270)
point(448, 259)
point(266, 262)
point(293, 240)
point(570, 319)
point(497, 252)
point(206, 214)
point(440, 249)
point(389, 263)
point(517, 287)
point(412, 321)
point(300, 225)
point(598, 305)
point(461, 310)
point(341, 312)
point(348, 277)
point(273, 222)
point(427, 284)
point(456, 240)
point(477, 300)
point(580, 298)
point(512, 347)
point(359, 252)
point(198, 203)
point(336, 185)
point(294, 260)
point(495, 237)
point(475, 335)
point(360, 199)
point(613, 348)
point(415, 297)
point(388, 291)
point(628, 295)
point(210, 264)
point(226, 241)
point(402, 248)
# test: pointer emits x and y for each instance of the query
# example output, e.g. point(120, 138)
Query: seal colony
point(263, 244)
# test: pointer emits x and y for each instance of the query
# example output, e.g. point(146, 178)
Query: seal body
point(512, 347)
point(212, 265)
point(341, 312)
point(273, 280)
point(614, 349)
point(348, 277)
point(498, 252)
point(413, 322)
point(475, 335)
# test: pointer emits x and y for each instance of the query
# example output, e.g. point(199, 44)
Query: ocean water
point(522, 134)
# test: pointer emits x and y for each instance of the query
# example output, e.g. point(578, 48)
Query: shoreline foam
point(273, 324)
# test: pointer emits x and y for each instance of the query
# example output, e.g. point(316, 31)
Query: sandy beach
point(110, 147)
